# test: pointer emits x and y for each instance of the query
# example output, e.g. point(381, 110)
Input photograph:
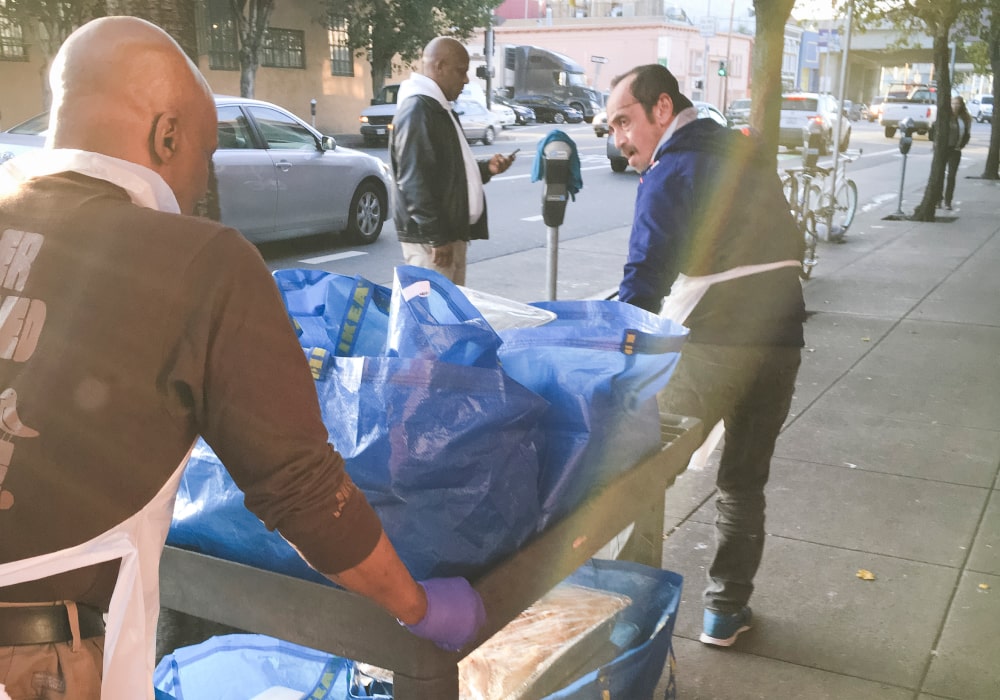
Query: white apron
point(130, 639)
point(684, 295)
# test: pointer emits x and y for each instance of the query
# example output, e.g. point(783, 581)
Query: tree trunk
point(769, 46)
point(990, 171)
point(248, 71)
point(935, 181)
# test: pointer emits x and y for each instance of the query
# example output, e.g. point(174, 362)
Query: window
point(341, 59)
point(223, 49)
point(283, 48)
point(281, 131)
point(12, 47)
point(234, 131)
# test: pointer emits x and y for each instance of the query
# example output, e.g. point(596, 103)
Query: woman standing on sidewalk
point(958, 136)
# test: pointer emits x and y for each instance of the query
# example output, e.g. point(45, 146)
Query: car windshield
point(38, 124)
point(799, 104)
point(987, 99)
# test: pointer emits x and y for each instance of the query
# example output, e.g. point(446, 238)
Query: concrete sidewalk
point(888, 463)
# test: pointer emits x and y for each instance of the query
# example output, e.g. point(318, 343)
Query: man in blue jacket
point(712, 227)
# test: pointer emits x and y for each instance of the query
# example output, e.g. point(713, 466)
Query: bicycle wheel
point(809, 248)
point(845, 205)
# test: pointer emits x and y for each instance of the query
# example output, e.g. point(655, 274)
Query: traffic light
point(722, 68)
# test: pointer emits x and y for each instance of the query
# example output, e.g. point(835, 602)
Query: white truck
point(920, 105)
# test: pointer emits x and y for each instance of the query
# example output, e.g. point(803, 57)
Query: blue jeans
point(750, 389)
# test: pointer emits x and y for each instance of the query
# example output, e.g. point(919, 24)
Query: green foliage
point(385, 29)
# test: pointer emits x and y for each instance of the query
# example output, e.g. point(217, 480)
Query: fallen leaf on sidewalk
point(865, 575)
point(984, 586)
point(866, 340)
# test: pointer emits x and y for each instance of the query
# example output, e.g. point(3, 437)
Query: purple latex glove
point(454, 615)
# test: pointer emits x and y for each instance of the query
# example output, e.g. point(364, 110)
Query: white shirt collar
point(144, 187)
point(683, 118)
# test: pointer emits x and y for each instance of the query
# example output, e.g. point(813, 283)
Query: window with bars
point(341, 56)
point(12, 46)
point(283, 48)
point(220, 36)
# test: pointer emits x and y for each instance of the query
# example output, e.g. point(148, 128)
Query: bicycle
point(835, 213)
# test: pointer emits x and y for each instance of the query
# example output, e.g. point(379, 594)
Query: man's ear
point(164, 137)
point(663, 111)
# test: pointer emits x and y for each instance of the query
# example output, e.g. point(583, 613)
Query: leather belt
point(46, 624)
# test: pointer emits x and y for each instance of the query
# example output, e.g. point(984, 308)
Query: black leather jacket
point(430, 203)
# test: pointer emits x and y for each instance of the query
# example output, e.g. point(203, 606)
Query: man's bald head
point(446, 62)
point(123, 87)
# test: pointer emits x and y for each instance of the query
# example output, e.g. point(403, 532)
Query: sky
point(696, 9)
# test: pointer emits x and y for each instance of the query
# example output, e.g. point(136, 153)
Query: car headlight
point(363, 120)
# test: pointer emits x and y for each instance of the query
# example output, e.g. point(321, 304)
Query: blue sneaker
point(722, 630)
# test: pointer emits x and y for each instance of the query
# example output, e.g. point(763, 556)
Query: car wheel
point(489, 135)
point(367, 214)
point(890, 131)
point(847, 140)
point(930, 134)
point(618, 165)
point(559, 117)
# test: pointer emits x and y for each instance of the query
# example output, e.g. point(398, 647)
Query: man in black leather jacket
point(439, 204)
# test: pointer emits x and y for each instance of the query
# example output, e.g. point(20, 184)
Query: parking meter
point(906, 140)
point(812, 140)
point(556, 192)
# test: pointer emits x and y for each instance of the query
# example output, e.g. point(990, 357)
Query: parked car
point(739, 111)
point(801, 109)
point(853, 110)
point(549, 109)
point(478, 123)
point(981, 108)
point(600, 123)
point(620, 162)
point(504, 114)
point(523, 115)
point(26, 136)
point(280, 178)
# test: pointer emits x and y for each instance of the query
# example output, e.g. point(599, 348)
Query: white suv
point(981, 108)
point(802, 109)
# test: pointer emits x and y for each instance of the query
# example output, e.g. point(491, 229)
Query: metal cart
point(348, 625)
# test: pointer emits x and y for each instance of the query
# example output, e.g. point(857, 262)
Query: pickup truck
point(920, 105)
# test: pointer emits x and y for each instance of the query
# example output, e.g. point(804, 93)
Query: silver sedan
point(277, 177)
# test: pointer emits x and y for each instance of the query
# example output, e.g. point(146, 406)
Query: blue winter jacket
point(711, 202)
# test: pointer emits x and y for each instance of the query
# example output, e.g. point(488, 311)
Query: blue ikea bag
point(599, 364)
point(347, 315)
point(448, 456)
point(638, 653)
point(241, 666)
point(210, 517)
point(430, 318)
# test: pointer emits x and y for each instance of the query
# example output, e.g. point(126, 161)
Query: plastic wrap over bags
point(600, 365)
point(431, 319)
point(347, 315)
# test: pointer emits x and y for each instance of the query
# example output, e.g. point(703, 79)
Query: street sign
point(707, 27)
point(599, 59)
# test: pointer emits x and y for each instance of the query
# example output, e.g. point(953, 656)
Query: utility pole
point(729, 62)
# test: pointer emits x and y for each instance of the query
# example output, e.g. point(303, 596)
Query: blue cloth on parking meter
point(600, 365)
point(348, 315)
point(575, 183)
